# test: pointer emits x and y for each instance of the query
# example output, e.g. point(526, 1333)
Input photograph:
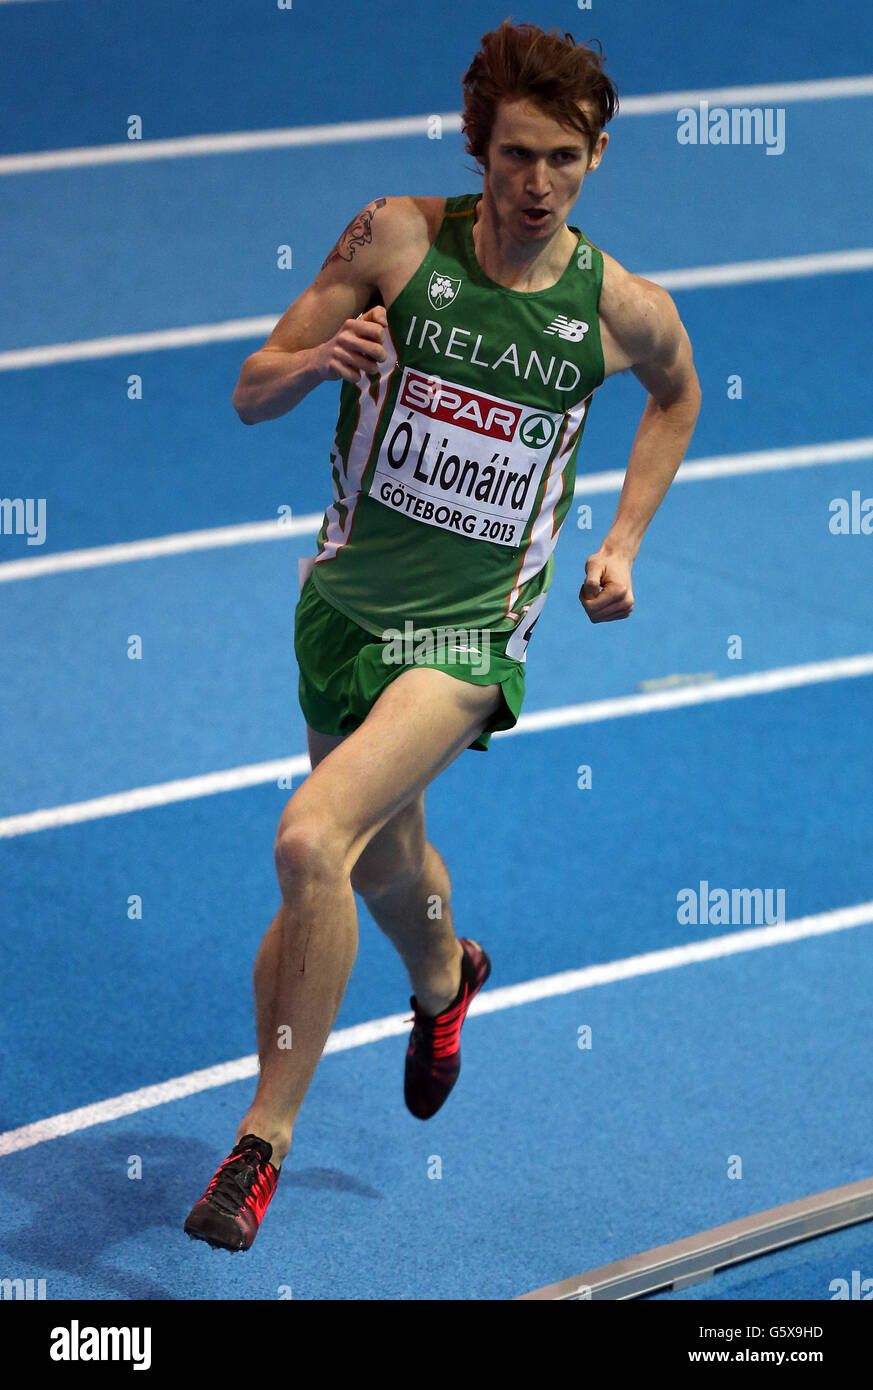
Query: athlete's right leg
point(419, 724)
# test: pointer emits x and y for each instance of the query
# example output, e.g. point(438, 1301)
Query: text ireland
point(453, 343)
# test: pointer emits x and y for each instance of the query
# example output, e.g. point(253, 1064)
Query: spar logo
point(537, 431)
point(473, 410)
point(455, 405)
point(442, 289)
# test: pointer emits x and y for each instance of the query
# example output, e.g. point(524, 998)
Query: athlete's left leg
point(405, 884)
point(413, 909)
point(404, 881)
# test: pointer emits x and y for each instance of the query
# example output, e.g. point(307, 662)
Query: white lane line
point(590, 712)
point(764, 93)
point(753, 272)
point(396, 1025)
point(215, 538)
point(724, 466)
point(230, 331)
point(234, 142)
point(236, 330)
point(160, 794)
point(246, 141)
point(703, 693)
point(218, 537)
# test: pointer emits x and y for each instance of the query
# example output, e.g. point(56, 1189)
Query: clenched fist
point(357, 347)
point(607, 593)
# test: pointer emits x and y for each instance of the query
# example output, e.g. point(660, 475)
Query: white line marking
point(231, 330)
point(591, 712)
point(218, 537)
point(730, 466)
point(704, 693)
point(245, 141)
point(160, 794)
point(234, 142)
point(396, 1025)
point(765, 93)
point(235, 330)
point(752, 272)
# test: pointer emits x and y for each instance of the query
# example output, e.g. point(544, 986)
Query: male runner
point(469, 333)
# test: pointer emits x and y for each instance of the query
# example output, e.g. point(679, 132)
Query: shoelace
point(234, 1182)
point(443, 1031)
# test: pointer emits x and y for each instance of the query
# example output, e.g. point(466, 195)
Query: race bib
point(463, 460)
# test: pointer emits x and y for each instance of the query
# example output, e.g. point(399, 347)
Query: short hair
point(552, 71)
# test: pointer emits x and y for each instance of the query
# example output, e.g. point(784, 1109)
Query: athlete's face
point(535, 170)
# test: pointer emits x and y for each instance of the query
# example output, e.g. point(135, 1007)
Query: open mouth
point(535, 216)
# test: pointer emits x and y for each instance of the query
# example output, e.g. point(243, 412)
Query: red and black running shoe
point(433, 1057)
point(230, 1211)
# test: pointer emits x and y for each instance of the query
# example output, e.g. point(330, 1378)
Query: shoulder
point(381, 235)
point(392, 228)
point(639, 316)
point(409, 216)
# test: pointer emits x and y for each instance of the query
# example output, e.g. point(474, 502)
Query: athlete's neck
point(526, 266)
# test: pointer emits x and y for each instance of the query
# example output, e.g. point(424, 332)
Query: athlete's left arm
point(641, 330)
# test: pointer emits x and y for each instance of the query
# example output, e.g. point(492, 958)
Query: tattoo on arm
point(359, 232)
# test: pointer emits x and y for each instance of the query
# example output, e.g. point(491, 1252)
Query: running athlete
point(470, 334)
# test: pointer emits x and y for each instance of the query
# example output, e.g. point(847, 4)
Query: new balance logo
point(572, 330)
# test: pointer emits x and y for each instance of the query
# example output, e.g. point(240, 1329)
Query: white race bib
point(463, 460)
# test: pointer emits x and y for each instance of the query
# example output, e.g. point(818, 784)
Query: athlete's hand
point(607, 593)
point(356, 348)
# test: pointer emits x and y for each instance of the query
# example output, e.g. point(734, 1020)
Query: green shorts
point(344, 668)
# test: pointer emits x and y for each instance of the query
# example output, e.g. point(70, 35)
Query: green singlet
point(453, 471)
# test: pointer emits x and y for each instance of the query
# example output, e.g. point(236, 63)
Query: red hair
point(551, 70)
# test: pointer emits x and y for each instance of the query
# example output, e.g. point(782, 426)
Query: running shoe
point(433, 1057)
point(231, 1209)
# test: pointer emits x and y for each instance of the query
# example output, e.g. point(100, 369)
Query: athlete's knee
point(307, 849)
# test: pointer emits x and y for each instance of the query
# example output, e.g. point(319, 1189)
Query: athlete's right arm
point(321, 336)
